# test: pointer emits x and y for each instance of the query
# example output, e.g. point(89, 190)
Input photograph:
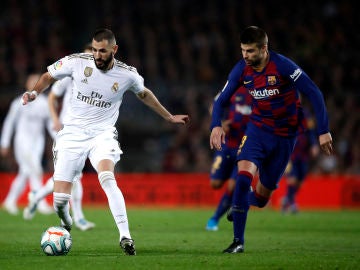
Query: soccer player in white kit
point(28, 126)
point(99, 83)
point(61, 88)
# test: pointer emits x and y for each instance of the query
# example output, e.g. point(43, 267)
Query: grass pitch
point(176, 239)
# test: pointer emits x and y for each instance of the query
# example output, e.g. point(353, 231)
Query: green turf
point(176, 239)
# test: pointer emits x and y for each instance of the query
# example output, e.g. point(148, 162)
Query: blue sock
point(291, 191)
point(257, 200)
point(240, 205)
point(223, 206)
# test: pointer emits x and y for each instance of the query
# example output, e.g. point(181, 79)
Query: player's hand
point(217, 138)
point(57, 126)
point(325, 141)
point(29, 96)
point(179, 119)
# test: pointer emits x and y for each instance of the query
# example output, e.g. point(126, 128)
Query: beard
point(103, 64)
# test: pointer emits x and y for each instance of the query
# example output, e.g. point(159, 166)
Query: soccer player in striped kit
point(99, 83)
point(224, 167)
point(274, 82)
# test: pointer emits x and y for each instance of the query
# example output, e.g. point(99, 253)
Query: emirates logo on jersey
point(88, 71)
point(115, 87)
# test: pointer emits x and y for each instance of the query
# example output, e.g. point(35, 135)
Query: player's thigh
point(105, 147)
point(68, 165)
point(70, 152)
point(273, 167)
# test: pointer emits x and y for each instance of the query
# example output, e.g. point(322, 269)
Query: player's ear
point(115, 48)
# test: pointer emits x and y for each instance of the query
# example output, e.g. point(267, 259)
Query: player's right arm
point(217, 136)
point(53, 101)
point(45, 80)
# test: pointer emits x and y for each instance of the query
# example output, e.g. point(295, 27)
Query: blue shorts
point(269, 152)
point(224, 165)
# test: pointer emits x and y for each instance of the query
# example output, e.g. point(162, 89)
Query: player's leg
point(76, 206)
point(35, 197)
point(19, 183)
point(103, 157)
point(69, 161)
point(36, 174)
point(16, 189)
point(221, 170)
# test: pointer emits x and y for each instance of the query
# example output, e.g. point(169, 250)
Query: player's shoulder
point(81, 56)
point(124, 67)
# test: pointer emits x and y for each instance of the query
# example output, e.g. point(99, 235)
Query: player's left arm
point(313, 93)
point(148, 98)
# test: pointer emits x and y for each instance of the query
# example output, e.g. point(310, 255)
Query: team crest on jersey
point(58, 65)
point(115, 87)
point(88, 71)
point(271, 80)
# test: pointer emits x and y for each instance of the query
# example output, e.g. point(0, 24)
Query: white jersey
point(96, 95)
point(63, 88)
point(28, 123)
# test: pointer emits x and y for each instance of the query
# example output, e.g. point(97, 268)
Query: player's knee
point(61, 199)
point(216, 183)
point(107, 179)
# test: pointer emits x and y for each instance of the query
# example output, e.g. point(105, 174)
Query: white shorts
point(73, 146)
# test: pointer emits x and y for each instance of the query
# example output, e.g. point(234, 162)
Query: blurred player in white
point(26, 128)
point(61, 89)
point(99, 83)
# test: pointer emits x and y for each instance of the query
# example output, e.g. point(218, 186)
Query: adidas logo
point(84, 80)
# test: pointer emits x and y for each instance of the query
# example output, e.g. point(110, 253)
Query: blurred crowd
point(184, 50)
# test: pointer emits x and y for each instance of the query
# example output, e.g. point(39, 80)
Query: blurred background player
point(224, 166)
point(61, 89)
point(306, 148)
point(27, 125)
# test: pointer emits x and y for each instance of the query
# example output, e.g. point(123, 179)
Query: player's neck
point(263, 63)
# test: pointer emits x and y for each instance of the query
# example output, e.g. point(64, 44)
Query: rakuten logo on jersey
point(264, 93)
point(296, 74)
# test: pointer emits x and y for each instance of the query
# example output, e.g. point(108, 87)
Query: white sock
point(76, 198)
point(116, 202)
point(62, 208)
point(45, 190)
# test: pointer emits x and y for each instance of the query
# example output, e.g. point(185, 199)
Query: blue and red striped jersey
point(239, 114)
point(275, 91)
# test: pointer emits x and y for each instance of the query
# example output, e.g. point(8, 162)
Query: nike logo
point(247, 82)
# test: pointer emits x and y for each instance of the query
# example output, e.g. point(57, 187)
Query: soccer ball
point(56, 241)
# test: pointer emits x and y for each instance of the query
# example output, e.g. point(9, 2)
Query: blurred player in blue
point(306, 148)
point(275, 83)
point(224, 167)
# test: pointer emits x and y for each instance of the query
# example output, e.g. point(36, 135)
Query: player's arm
point(9, 127)
point(53, 101)
point(313, 93)
point(45, 80)
point(148, 98)
point(217, 136)
point(306, 86)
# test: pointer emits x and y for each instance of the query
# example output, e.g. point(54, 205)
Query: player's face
point(103, 54)
point(253, 55)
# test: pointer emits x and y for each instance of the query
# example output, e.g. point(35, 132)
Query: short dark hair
point(87, 46)
point(254, 34)
point(106, 34)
